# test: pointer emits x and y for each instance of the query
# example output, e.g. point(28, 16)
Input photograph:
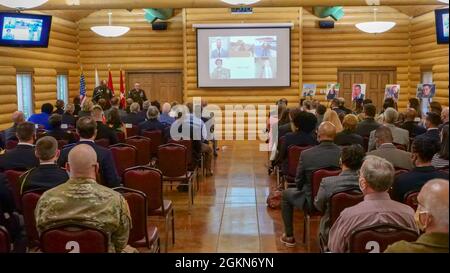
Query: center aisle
point(230, 212)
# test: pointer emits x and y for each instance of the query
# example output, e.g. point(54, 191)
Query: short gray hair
point(378, 172)
point(135, 107)
point(390, 115)
point(152, 112)
point(46, 148)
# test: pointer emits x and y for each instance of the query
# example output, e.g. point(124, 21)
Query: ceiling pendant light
point(241, 2)
point(110, 30)
point(375, 26)
point(443, 1)
point(22, 4)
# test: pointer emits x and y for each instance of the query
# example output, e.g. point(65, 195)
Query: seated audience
point(59, 105)
point(47, 175)
point(102, 208)
point(423, 171)
point(157, 105)
point(86, 108)
point(415, 104)
point(440, 159)
point(133, 117)
point(387, 150)
point(432, 122)
point(348, 135)
point(368, 124)
point(143, 113)
point(324, 155)
point(304, 124)
point(57, 132)
point(411, 124)
point(68, 116)
point(17, 118)
point(388, 103)
point(335, 107)
point(351, 160)
point(103, 104)
point(436, 107)
point(333, 118)
point(22, 156)
point(87, 129)
point(444, 117)
point(320, 112)
point(432, 219)
point(375, 179)
point(76, 105)
point(103, 131)
point(400, 136)
point(114, 121)
point(152, 123)
point(343, 108)
point(165, 118)
point(42, 118)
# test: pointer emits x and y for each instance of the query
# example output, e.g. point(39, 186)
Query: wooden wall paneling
point(8, 95)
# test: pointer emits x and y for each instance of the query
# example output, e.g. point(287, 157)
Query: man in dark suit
point(411, 124)
point(368, 124)
point(432, 122)
point(87, 129)
point(325, 155)
point(152, 122)
point(47, 175)
point(68, 117)
point(423, 171)
point(22, 157)
point(57, 132)
point(335, 103)
point(133, 117)
point(387, 150)
point(304, 124)
point(103, 131)
point(17, 118)
point(352, 158)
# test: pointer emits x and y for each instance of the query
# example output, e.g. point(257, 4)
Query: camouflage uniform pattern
point(84, 201)
point(137, 95)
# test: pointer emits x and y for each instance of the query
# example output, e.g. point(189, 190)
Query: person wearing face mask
point(375, 179)
point(432, 218)
point(101, 208)
point(421, 155)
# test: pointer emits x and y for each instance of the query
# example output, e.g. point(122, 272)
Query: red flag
point(122, 91)
point(110, 83)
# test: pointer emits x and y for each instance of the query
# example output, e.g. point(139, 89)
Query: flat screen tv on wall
point(442, 28)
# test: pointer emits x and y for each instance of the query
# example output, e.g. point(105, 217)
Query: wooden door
point(160, 86)
point(375, 80)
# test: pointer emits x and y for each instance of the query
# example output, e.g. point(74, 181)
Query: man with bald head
point(17, 118)
point(432, 218)
point(324, 155)
point(101, 207)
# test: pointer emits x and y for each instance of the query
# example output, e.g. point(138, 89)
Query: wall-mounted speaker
point(160, 25)
point(326, 24)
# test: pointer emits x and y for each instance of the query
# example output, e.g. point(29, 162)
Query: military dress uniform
point(137, 95)
point(102, 92)
point(83, 201)
point(221, 73)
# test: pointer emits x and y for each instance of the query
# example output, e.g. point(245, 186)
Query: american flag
point(82, 88)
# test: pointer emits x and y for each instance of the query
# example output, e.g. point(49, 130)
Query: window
point(24, 96)
point(62, 87)
point(427, 76)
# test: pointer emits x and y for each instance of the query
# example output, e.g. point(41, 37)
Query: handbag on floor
point(274, 198)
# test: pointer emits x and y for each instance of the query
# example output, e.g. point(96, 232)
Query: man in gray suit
point(351, 160)
point(387, 150)
point(219, 51)
point(399, 135)
point(324, 155)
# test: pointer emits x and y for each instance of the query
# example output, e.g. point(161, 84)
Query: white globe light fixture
point(375, 26)
point(22, 4)
point(241, 2)
point(443, 1)
point(110, 30)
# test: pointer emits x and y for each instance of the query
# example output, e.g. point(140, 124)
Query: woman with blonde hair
point(348, 136)
point(332, 116)
point(86, 108)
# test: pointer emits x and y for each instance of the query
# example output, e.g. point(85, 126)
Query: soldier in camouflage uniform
point(81, 200)
point(137, 94)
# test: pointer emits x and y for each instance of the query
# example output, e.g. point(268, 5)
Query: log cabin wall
point(44, 63)
point(426, 54)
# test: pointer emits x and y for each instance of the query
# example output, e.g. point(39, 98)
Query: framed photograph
point(309, 90)
point(333, 91)
point(358, 91)
point(426, 90)
point(392, 91)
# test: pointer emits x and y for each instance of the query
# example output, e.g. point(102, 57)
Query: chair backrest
point(124, 156)
point(62, 143)
point(147, 180)
point(137, 203)
point(132, 130)
point(13, 181)
point(188, 145)
point(317, 177)
point(294, 153)
point(156, 137)
point(143, 146)
point(11, 144)
point(376, 238)
point(172, 160)
point(104, 142)
point(342, 200)
point(29, 203)
point(5, 240)
point(74, 239)
point(120, 136)
point(410, 199)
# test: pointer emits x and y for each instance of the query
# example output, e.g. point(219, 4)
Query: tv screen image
point(442, 26)
point(24, 30)
point(243, 57)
